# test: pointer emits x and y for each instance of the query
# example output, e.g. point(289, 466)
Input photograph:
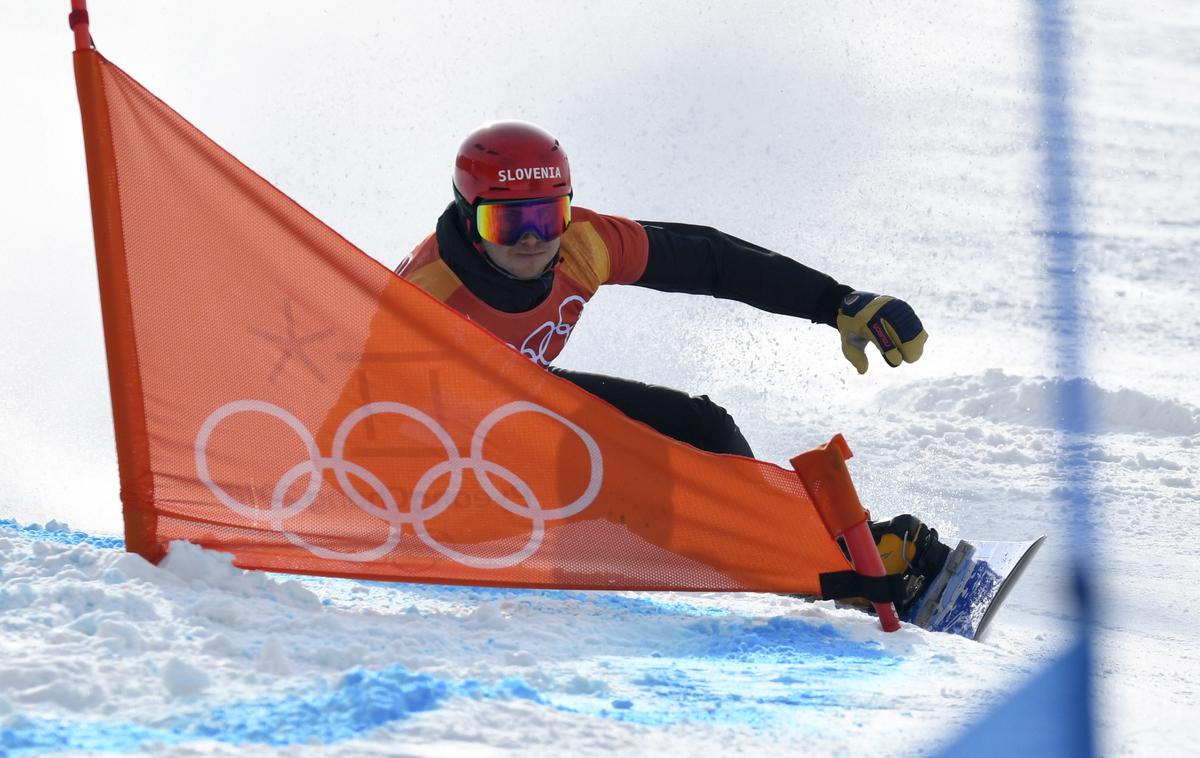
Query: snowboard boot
point(910, 548)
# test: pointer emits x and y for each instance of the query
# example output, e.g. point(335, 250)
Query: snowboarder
point(513, 253)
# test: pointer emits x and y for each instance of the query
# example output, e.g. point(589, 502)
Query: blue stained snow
point(640, 604)
point(361, 702)
point(783, 640)
point(736, 671)
point(27, 736)
point(53, 532)
point(754, 696)
point(716, 667)
point(749, 673)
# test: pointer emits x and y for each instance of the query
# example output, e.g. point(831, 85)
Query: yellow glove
point(885, 321)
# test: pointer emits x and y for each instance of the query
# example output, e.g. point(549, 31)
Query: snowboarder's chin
point(523, 261)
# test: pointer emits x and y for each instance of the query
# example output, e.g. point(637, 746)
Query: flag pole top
point(79, 24)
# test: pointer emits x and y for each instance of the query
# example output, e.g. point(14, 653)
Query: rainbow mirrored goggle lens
point(507, 221)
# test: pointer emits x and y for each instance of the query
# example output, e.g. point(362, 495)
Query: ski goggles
point(505, 222)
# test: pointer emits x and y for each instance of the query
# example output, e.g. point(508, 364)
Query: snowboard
point(965, 596)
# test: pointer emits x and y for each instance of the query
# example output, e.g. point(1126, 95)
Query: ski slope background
point(894, 145)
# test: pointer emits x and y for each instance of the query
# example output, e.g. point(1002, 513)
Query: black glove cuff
point(828, 302)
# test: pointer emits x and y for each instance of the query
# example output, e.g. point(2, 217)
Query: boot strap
point(837, 585)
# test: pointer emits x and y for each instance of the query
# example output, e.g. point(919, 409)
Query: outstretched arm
point(703, 260)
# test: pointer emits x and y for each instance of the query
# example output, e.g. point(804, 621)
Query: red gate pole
point(865, 556)
point(79, 24)
point(825, 476)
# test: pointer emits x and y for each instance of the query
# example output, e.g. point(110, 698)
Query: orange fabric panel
point(283, 397)
point(825, 476)
point(129, 415)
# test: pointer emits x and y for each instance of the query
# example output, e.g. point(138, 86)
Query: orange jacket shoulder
point(600, 249)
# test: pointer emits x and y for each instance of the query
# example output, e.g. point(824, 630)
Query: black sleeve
point(704, 261)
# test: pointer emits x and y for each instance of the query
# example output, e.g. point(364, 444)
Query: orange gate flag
point(281, 396)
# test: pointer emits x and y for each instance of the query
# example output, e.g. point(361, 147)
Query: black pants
point(697, 421)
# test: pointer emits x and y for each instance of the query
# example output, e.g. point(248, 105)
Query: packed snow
point(109, 652)
point(895, 145)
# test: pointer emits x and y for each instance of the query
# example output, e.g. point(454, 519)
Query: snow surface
point(105, 651)
point(895, 145)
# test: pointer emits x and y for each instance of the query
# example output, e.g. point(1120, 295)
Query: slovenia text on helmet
point(508, 162)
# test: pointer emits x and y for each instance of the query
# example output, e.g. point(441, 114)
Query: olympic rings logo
point(543, 336)
point(418, 511)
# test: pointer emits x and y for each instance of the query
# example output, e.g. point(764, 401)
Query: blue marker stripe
point(63, 537)
point(1058, 169)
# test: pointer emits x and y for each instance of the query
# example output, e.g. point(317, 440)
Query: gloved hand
point(885, 321)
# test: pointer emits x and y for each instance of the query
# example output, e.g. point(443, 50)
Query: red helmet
point(510, 160)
